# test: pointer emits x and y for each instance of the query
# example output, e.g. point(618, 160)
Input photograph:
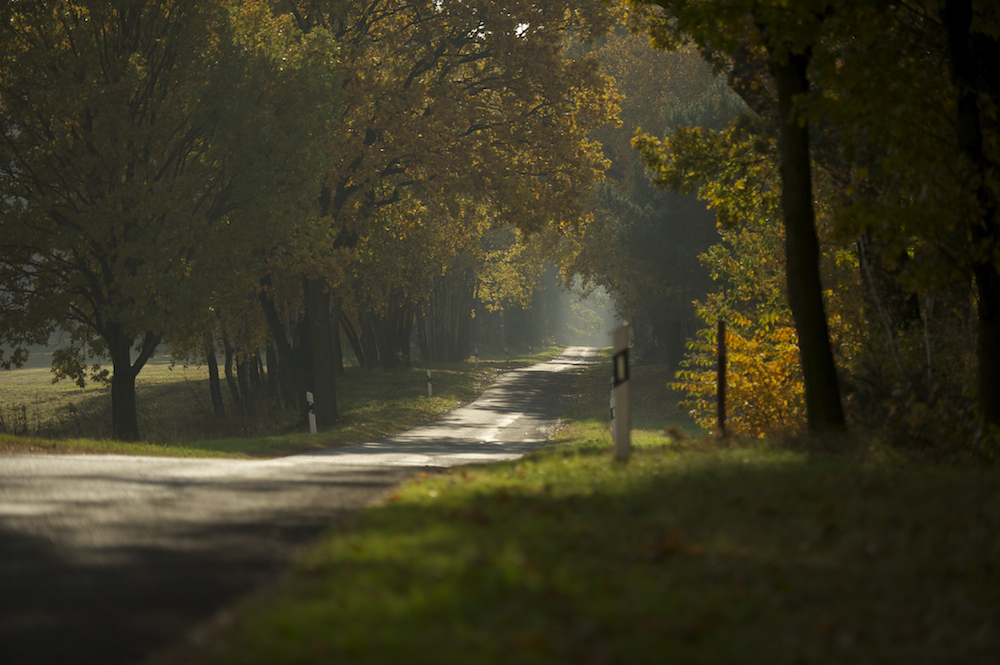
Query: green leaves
point(148, 151)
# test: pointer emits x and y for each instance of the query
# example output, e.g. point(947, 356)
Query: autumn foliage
point(166, 165)
point(900, 118)
point(764, 390)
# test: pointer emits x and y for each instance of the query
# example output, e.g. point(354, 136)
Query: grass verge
point(690, 553)
point(175, 411)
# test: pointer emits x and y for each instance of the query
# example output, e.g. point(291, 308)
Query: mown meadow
point(695, 551)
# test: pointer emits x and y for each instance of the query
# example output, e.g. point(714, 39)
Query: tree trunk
point(988, 344)
point(352, 339)
point(338, 348)
point(381, 327)
point(972, 58)
point(234, 389)
point(244, 376)
point(214, 387)
point(403, 333)
point(425, 350)
point(291, 373)
point(805, 291)
point(444, 327)
point(324, 375)
point(256, 373)
point(124, 416)
point(273, 384)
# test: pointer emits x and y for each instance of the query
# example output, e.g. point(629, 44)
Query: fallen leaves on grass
point(675, 542)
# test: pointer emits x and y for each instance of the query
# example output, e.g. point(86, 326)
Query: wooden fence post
point(721, 377)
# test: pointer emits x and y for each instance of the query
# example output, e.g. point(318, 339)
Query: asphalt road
point(106, 559)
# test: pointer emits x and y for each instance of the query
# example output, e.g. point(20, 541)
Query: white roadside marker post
point(312, 414)
point(430, 389)
point(621, 412)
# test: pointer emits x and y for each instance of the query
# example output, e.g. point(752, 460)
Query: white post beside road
point(621, 412)
point(312, 414)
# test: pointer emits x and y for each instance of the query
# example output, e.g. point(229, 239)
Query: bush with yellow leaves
point(764, 391)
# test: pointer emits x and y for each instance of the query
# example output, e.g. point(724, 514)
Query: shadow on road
point(104, 560)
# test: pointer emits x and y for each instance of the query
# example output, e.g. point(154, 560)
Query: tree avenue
point(241, 179)
point(148, 148)
point(447, 106)
point(166, 165)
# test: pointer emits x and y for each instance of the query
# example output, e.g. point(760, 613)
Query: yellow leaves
point(510, 272)
point(764, 388)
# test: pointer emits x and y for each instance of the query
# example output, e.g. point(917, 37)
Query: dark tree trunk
point(369, 340)
point(381, 331)
point(422, 342)
point(354, 341)
point(272, 375)
point(214, 387)
point(363, 330)
point(324, 378)
point(124, 415)
point(389, 332)
point(234, 389)
point(973, 57)
point(460, 351)
point(292, 376)
point(124, 418)
point(805, 291)
point(244, 376)
point(988, 345)
point(256, 373)
point(444, 327)
point(338, 348)
point(391, 323)
point(403, 332)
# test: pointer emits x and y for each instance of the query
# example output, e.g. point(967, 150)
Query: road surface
point(105, 559)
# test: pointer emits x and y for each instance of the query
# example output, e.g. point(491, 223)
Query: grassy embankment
point(176, 418)
point(690, 553)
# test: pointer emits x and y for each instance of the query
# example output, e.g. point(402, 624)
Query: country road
point(106, 559)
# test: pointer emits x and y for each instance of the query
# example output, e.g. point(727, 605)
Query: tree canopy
point(145, 146)
point(166, 163)
point(448, 107)
point(892, 115)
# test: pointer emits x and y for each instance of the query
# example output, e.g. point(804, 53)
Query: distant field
point(30, 403)
point(176, 416)
point(40, 356)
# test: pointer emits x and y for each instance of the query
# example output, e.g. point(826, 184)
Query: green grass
point(176, 417)
point(693, 552)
